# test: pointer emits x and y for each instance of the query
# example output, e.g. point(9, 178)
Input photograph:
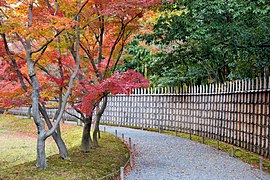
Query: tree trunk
point(60, 143)
point(87, 143)
point(95, 141)
point(56, 135)
point(99, 133)
point(99, 114)
point(29, 112)
point(41, 155)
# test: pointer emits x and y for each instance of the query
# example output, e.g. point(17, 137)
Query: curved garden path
point(163, 157)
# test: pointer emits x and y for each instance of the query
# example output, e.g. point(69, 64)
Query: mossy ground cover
point(18, 150)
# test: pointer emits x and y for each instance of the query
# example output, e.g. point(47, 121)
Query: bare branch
point(121, 51)
point(48, 42)
point(43, 69)
point(120, 35)
point(73, 115)
point(98, 74)
point(59, 32)
point(14, 63)
point(80, 10)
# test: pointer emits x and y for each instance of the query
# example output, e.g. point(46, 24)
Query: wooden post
point(104, 129)
point(134, 148)
point(116, 132)
point(261, 164)
point(123, 136)
point(121, 173)
point(129, 140)
point(232, 153)
point(203, 139)
point(130, 162)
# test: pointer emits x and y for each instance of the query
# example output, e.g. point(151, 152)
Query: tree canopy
point(49, 47)
point(202, 42)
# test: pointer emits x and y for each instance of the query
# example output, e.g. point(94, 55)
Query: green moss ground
point(19, 135)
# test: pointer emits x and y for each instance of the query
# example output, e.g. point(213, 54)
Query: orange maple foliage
point(107, 26)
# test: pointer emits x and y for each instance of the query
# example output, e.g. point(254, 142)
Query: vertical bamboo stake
point(257, 117)
point(144, 108)
point(180, 113)
point(185, 112)
point(260, 103)
point(245, 112)
point(268, 119)
point(264, 123)
point(189, 110)
point(235, 114)
point(216, 112)
point(219, 119)
point(240, 114)
point(232, 153)
point(249, 110)
point(253, 117)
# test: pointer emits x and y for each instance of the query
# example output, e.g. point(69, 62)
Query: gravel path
point(163, 157)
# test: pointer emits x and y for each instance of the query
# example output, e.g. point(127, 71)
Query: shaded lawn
point(19, 143)
point(18, 148)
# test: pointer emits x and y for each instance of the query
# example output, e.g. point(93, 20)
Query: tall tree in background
point(209, 41)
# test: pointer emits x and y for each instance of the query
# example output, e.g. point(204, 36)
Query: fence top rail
point(239, 86)
point(197, 94)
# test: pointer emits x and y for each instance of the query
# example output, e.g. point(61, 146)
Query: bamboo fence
point(236, 112)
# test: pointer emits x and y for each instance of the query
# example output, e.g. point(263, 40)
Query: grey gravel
point(164, 157)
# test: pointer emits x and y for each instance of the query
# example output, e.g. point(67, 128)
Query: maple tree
point(109, 28)
point(35, 26)
point(94, 96)
point(57, 41)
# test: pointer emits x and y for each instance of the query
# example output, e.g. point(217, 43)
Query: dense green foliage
point(207, 41)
